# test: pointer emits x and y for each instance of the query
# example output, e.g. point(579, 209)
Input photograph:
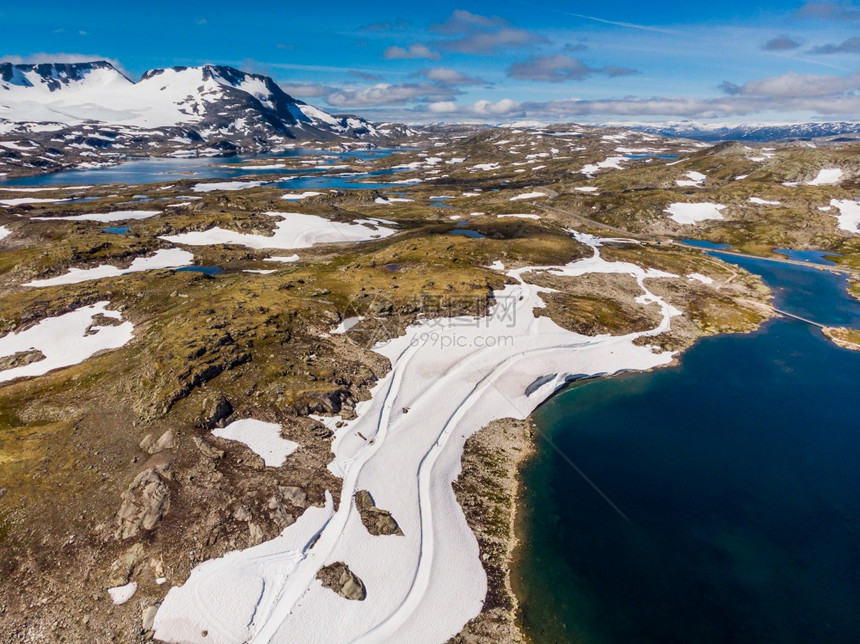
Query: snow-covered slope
point(212, 100)
point(760, 132)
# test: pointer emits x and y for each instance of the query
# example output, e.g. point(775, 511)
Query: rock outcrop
point(152, 446)
point(377, 521)
point(339, 578)
point(145, 502)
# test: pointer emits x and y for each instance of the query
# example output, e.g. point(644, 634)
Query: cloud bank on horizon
point(547, 60)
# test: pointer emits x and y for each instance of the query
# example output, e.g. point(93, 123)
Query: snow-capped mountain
point(212, 101)
point(754, 132)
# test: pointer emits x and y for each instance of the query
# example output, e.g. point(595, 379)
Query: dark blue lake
point(811, 256)
point(737, 472)
point(157, 170)
point(206, 270)
point(701, 243)
point(467, 232)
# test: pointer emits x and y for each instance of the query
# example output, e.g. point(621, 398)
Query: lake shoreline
point(488, 490)
point(586, 599)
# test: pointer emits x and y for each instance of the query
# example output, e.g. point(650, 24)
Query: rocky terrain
point(114, 480)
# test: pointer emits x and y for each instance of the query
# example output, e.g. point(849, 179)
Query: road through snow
point(449, 378)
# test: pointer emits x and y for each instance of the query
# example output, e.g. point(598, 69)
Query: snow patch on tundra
point(226, 185)
point(694, 180)
point(166, 258)
point(764, 202)
point(264, 439)
point(826, 177)
point(300, 196)
point(849, 215)
point(693, 213)
point(295, 230)
point(105, 217)
point(528, 195)
point(121, 594)
point(64, 340)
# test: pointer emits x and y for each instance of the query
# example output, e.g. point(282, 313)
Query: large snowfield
point(162, 98)
point(64, 340)
point(849, 215)
point(454, 376)
point(294, 230)
point(165, 258)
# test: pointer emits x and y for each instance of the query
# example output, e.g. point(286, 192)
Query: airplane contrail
point(605, 21)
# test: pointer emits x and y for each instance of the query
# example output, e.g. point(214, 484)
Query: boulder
point(152, 446)
point(339, 578)
point(145, 502)
point(376, 520)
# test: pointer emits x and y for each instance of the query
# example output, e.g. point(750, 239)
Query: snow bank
point(692, 213)
point(64, 341)
point(826, 177)
point(105, 217)
point(528, 195)
point(295, 230)
point(849, 214)
point(453, 376)
point(4, 232)
point(226, 185)
point(230, 596)
point(301, 195)
point(694, 180)
point(485, 167)
point(704, 279)
point(264, 439)
point(763, 202)
point(591, 169)
point(121, 594)
point(165, 258)
point(390, 200)
point(347, 323)
point(20, 201)
point(45, 189)
point(291, 258)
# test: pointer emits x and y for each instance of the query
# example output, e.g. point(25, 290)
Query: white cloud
point(385, 94)
point(307, 90)
point(504, 107)
point(449, 76)
point(838, 11)
point(413, 51)
point(558, 68)
point(473, 33)
point(850, 46)
point(781, 43)
point(461, 21)
point(492, 42)
point(796, 85)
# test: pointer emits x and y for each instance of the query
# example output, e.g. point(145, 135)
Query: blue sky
point(500, 61)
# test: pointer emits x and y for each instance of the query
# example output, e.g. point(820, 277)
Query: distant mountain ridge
point(210, 101)
point(752, 132)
